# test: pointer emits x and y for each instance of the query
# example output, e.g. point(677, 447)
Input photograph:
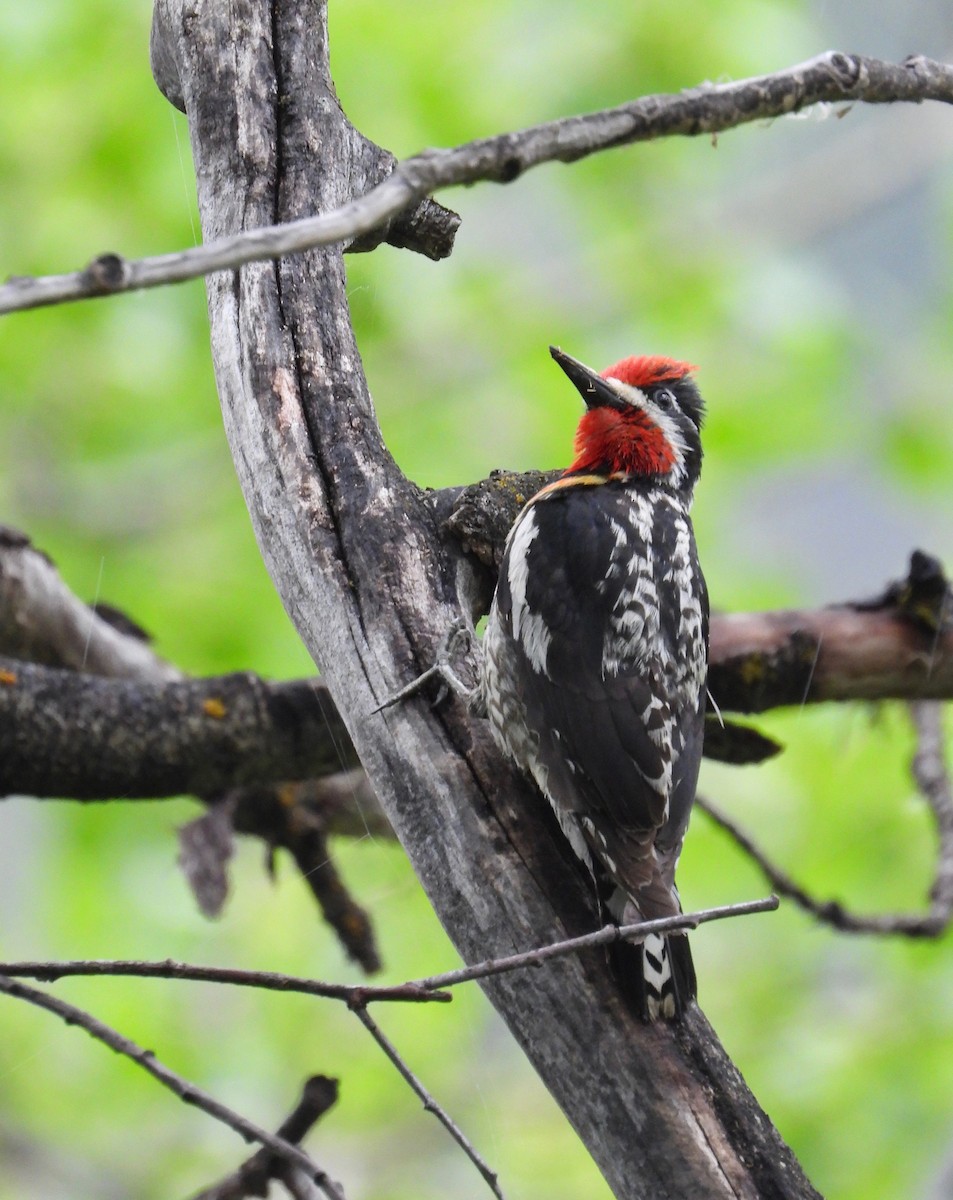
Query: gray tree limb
point(43, 621)
point(188, 736)
point(270, 760)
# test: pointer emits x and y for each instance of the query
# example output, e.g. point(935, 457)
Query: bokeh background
point(804, 263)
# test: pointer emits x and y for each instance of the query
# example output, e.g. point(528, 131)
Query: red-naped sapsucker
point(595, 653)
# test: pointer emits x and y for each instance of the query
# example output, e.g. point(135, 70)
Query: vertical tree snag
point(371, 583)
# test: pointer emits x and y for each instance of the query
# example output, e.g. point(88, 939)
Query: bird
point(595, 653)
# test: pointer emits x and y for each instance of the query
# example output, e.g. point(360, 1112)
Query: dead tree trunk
point(371, 582)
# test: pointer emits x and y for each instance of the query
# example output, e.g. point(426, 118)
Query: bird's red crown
point(645, 370)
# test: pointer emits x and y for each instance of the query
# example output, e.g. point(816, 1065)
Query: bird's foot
point(459, 639)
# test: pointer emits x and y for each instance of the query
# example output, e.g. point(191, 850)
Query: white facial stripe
point(628, 392)
point(673, 435)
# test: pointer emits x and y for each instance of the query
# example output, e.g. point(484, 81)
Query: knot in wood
point(108, 273)
point(846, 69)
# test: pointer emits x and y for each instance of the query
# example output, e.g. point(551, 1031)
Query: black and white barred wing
point(585, 648)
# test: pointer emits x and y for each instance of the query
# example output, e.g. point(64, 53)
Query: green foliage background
point(830, 448)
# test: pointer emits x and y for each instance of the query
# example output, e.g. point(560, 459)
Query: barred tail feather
point(658, 976)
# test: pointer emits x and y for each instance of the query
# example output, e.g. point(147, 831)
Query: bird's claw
point(458, 638)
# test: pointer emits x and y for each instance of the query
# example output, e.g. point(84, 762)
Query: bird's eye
point(664, 398)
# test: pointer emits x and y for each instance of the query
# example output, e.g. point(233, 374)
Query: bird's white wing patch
point(529, 628)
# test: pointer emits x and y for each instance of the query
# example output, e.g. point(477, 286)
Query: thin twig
point(273, 981)
point(307, 843)
point(357, 998)
point(602, 937)
point(253, 1176)
point(708, 109)
point(932, 778)
point(418, 991)
point(429, 1103)
point(187, 1092)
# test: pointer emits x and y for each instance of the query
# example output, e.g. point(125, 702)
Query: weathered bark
point(63, 733)
point(372, 581)
point(122, 722)
point(771, 659)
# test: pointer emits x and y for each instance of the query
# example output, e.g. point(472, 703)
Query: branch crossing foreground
point(357, 997)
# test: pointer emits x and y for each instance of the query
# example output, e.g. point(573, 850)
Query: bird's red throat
point(627, 443)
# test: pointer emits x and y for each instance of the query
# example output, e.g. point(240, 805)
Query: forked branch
point(274, 1159)
point(188, 1092)
point(254, 1176)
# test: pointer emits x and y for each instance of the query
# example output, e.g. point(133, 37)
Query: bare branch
point(707, 109)
point(419, 990)
point(932, 776)
point(79, 732)
point(132, 726)
point(271, 981)
point(898, 645)
point(428, 229)
point(263, 1165)
point(861, 650)
point(287, 820)
point(772, 659)
point(602, 937)
point(42, 621)
point(187, 1092)
point(254, 1175)
point(308, 845)
point(429, 1103)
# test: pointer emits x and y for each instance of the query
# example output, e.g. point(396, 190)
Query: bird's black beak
point(591, 386)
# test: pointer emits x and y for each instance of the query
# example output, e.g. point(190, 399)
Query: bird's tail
point(657, 975)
